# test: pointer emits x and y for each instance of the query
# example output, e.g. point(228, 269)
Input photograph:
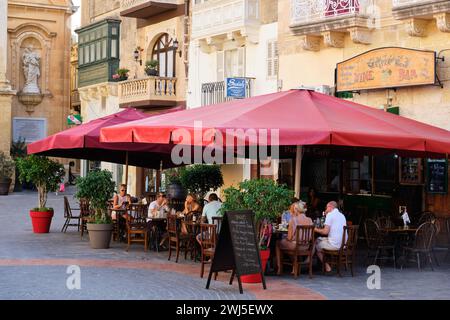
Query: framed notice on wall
point(411, 171)
point(437, 176)
point(30, 129)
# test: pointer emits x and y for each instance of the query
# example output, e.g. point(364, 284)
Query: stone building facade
point(38, 60)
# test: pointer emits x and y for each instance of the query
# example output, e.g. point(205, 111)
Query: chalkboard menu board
point(237, 247)
point(437, 176)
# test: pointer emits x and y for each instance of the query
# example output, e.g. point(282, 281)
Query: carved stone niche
point(39, 39)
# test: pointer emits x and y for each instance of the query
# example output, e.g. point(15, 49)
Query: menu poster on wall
point(30, 129)
point(437, 176)
point(386, 68)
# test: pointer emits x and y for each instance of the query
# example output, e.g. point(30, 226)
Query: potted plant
point(6, 172)
point(46, 175)
point(18, 150)
point(97, 187)
point(200, 179)
point(151, 67)
point(121, 75)
point(174, 188)
point(267, 200)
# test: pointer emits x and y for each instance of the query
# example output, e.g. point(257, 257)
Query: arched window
point(164, 52)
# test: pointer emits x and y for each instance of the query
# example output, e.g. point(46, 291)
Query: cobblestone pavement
point(34, 266)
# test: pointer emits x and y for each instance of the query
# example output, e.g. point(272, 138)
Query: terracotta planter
point(100, 235)
point(41, 221)
point(256, 278)
point(5, 184)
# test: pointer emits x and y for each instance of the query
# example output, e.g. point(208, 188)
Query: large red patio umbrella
point(302, 117)
point(82, 142)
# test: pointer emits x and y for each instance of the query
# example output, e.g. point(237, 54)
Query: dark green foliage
point(44, 173)
point(97, 187)
point(200, 179)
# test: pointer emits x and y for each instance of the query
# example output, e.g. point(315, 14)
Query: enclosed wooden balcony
point(144, 9)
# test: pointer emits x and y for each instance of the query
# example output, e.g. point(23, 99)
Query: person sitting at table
point(211, 209)
point(191, 204)
point(298, 218)
point(159, 207)
point(120, 200)
point(286, 216)
point(332, 232)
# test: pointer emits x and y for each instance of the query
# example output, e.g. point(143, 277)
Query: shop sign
point(74, 119)
point(235, 88)
point(386, 68)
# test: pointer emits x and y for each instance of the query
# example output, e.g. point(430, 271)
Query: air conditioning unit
point(328, 90)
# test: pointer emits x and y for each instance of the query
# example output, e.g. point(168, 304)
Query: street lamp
point(176, 45)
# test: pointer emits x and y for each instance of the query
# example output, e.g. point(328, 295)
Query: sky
point(76, 18)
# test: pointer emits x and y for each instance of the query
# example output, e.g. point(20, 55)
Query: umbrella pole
point(258, 163)
point(126, 169)
point(298, 171)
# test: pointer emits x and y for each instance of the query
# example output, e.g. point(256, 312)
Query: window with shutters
point(272, 59)
point(230, 63)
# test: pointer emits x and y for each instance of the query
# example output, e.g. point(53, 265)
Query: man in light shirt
point(212, 208)
point(158, 208)
point(333, 232)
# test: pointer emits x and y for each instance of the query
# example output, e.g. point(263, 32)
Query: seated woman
point(121, 200)
point(298, 218)
point(286, 216)
point(190, 205)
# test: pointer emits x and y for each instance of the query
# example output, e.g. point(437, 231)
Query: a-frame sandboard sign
point(237, 248)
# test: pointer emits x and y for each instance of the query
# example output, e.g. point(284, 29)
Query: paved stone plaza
point(34, 267)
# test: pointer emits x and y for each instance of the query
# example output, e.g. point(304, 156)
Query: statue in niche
point(31, 61)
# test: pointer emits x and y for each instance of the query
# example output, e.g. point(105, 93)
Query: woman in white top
point(121, 200)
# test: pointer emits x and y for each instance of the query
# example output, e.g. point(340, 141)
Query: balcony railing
point(143, 91)
point(216, 17)
point(311, 11)
point(215, 92)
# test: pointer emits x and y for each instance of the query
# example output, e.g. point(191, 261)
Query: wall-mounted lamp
point(176, 46)
point(137, 56)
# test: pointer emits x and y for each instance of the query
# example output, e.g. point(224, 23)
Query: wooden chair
point(422, 245)
point(345, 256)
point(208, 240)
point(217, 221)
point(69, 216)
point(378, 242)
point(304, 247)
point(192, 230)
point(177, 240)
point(85, 215)
point(426, 216)
point(384, 222)
point(136, 225)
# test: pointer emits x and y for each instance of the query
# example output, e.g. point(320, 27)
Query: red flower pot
point(41, 221)
point(256, 278)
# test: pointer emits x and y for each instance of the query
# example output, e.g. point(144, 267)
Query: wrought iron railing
point(215, 92)
point(310, 11)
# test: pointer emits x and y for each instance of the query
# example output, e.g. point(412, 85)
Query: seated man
point(210, 211)
point(159, 207)
point(212, 208)
point(333, 232)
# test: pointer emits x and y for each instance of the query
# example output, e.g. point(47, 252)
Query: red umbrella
point(82, 142)
point(301, 117)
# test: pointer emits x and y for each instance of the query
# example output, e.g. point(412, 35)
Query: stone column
point(6, 93)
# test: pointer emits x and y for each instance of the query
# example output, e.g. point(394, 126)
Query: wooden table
point(118, 225)
point(157, 228)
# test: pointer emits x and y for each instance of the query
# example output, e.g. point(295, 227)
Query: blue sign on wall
point(235, 88)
